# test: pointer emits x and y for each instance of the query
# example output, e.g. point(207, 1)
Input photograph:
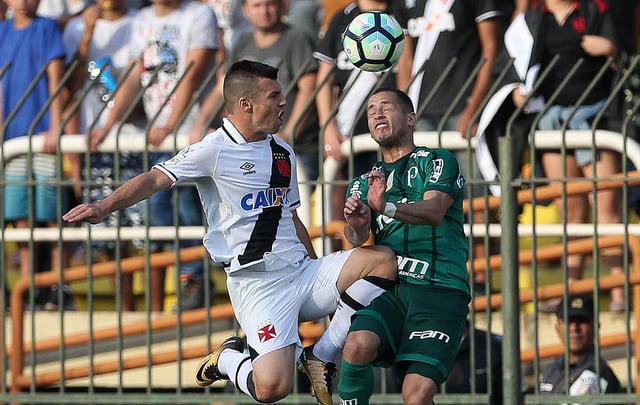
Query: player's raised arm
point(134, 190)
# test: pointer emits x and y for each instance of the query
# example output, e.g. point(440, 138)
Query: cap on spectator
point(579, 306)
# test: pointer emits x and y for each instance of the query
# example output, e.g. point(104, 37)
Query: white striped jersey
point(248, 191)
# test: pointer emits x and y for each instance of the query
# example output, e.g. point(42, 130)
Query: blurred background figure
point(576, 332)
point(29, 43)
point(574, 31)
point(99, 41)
point(167, 37)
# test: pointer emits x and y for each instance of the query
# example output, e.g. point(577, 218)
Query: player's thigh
point(319, 278)
point(367, 260)
point(266, 305)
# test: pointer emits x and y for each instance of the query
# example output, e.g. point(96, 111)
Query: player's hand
point(356, 213)
point(92, 213)
point(377, 187)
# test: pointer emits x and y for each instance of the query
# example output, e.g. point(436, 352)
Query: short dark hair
point(241, 80)
point(405, 100)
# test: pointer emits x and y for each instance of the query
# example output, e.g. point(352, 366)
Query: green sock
point(356, 383)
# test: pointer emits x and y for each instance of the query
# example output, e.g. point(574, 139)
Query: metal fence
point(101, 354)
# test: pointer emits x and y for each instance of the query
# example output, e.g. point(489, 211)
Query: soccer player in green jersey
point(412, 202)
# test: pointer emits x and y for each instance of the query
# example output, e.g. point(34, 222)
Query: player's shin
point(356, 383)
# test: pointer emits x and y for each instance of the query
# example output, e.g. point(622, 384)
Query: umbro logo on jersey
point(247, 166)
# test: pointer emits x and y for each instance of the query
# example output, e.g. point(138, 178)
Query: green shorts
point(416, 324)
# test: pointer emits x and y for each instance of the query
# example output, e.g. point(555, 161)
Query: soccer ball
point(373, 41)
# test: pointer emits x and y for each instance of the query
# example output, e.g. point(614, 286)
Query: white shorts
point(270, 304)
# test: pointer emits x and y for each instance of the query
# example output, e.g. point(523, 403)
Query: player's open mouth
point(382, 125)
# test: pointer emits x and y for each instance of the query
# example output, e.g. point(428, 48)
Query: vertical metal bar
point(512, 380)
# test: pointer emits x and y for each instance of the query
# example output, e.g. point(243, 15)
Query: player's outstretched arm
point(134, 190)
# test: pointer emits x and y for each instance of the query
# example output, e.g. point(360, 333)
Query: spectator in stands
point(168, 37)
point(353, 86)
point(99, 41)
point(587, 375)
point(20, 36)
point(487, 366)
point(438, 32)
point(575, 31)
point(290, 50)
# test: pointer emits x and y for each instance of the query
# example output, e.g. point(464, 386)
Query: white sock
point(356, 296)
point(242, 367)
point(229, 362)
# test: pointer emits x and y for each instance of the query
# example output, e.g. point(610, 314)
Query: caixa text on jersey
point(271, 197)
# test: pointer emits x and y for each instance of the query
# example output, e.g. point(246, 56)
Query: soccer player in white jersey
point(247, 182)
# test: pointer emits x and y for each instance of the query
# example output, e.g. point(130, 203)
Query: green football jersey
point(432, 255)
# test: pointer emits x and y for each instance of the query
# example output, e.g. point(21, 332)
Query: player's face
point(268, 107)
point(580, 334)
point(388, 122)
point(263, 14)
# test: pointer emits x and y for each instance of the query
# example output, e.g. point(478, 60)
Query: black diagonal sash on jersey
point(266, 226)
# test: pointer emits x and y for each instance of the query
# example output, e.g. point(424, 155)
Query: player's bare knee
point(271, 391)
point(361, 347)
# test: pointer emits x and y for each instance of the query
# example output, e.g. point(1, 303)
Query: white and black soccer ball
point(373, 41)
